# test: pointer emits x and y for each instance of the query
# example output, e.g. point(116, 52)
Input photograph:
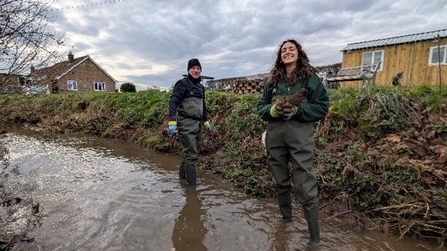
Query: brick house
point(81, 74)
point(9, 83)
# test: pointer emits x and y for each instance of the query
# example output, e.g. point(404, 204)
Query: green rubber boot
point(191, 175)
point(311, 215)
point(285, 206)
point(182, 171)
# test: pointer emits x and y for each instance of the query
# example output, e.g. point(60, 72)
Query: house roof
point(423, 36)
point(60, 69)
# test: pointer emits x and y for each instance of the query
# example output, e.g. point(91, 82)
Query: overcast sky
point(149, 42)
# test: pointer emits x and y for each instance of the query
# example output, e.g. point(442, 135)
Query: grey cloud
point(149, 42)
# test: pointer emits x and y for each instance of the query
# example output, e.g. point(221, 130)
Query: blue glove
point(172, 129)
point(207, 125)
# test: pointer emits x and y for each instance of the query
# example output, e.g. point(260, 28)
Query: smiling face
point(289, 54)
point(195, 71)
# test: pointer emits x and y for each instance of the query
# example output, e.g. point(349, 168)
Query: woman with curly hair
point(293, 98)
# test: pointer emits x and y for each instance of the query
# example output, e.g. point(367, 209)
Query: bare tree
point(26, 39)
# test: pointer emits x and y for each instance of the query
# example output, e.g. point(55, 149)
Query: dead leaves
point(420, 149)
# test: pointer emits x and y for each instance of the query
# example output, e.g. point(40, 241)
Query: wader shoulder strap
point(305, 84)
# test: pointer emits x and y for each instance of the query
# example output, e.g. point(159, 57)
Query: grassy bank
point(380, 152)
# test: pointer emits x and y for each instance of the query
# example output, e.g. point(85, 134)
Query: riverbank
point(380, 153)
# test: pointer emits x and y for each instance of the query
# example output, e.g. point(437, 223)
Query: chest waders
point(292, 141)
point(189, 123)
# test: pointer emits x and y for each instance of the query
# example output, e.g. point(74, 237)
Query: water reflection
point(189, 232)
point(281, 235)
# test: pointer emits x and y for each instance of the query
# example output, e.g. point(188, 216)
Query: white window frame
point(443, 49)
point(375, 59)
point(99, 86)
point(72, 85)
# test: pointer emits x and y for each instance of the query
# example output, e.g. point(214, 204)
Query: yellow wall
point(411, 58)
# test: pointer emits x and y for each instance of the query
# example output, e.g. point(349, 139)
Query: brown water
point(104, 194)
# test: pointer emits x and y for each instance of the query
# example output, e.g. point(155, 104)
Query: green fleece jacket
point(314, 109)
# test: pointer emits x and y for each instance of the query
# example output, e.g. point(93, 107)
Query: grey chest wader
point(189, 120)
point(285, 145)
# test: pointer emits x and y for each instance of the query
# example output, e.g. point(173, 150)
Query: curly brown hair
point(302, 71)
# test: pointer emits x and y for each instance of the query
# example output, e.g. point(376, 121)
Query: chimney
point(70, 57)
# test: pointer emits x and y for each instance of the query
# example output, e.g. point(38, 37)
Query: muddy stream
point(106, 194)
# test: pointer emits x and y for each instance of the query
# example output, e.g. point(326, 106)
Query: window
point(100, 86)
point(438, 54)
point(72, 85)
point(373, 58)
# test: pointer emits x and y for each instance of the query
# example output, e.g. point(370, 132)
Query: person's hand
point(172, 129)
point(207, 125)
point(289, 110)
point(276, 111)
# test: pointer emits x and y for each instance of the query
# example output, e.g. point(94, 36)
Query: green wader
point(292, 140)
point(189, 126)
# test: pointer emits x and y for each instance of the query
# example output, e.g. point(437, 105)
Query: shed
point(421, 58)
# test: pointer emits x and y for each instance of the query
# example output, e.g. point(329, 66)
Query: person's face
point(289, 53)
point(195, 71)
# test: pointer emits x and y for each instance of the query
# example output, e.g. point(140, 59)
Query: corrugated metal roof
point(396, 40)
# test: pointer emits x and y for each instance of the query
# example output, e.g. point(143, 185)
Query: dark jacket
point(187, 87)
point(314, 109)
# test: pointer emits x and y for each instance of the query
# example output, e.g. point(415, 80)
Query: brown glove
point(298, 97)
